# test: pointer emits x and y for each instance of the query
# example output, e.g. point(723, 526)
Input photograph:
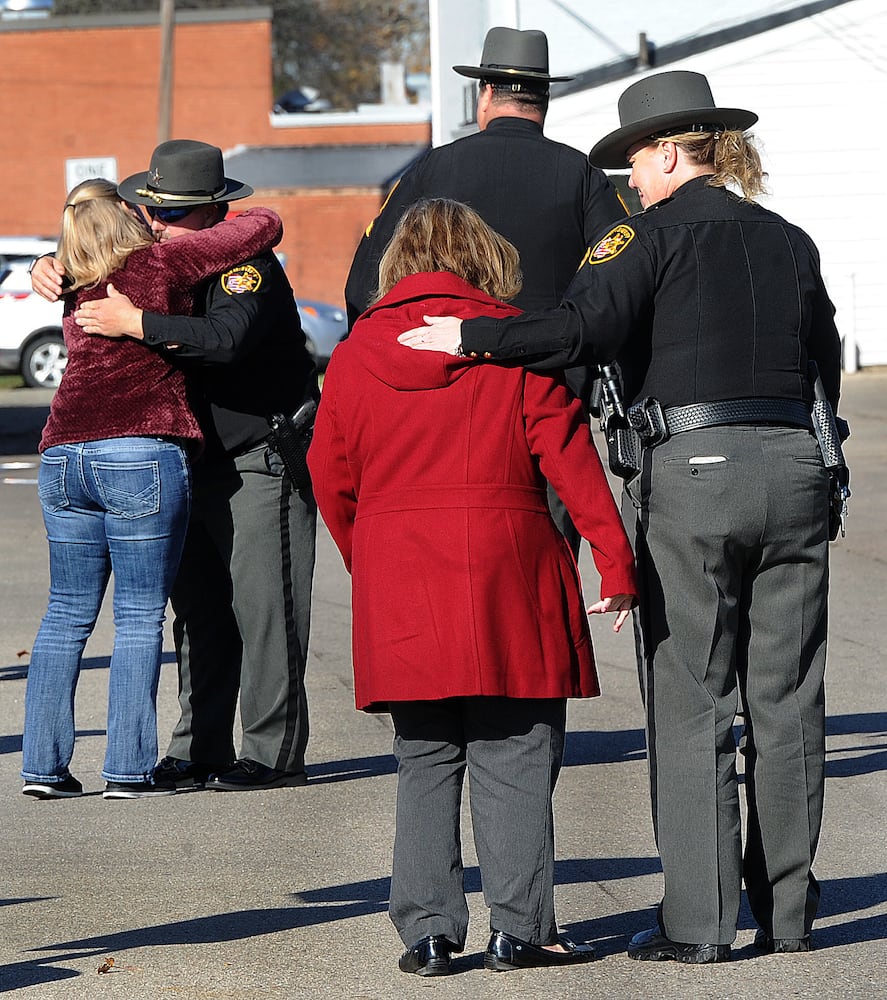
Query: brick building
point(81, 91)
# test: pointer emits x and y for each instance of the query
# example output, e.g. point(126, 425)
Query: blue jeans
point(120, 504)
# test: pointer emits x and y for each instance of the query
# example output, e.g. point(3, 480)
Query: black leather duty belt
point(784, 412)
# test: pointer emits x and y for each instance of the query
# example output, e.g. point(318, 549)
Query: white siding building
point(818, 83)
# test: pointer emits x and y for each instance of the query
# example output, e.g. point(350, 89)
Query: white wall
point(817, 86)
point(458, 29)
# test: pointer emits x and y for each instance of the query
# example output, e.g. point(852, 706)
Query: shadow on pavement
point(18, 672)
point(359, 899)
point(868, 758)
point(13, 744)
point(603, 747)
point(317, 906)
point(22, 974)
point(352, 768)
point(594, 746)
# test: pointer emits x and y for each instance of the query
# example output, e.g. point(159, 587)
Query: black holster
point(607, 403)
point(290, 438)
point(831, 432)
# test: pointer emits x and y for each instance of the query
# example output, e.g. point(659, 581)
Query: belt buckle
point(648, 419)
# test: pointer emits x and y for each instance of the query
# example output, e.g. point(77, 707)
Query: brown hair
point(437, 234)
point(733, 155)
point(98, 233)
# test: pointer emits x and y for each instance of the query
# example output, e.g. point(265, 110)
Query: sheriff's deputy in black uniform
point(243, 593)
point(544, 197)
point(714, 306)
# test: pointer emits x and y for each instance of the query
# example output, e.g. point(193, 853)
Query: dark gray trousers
point(242, 604)
point(733, 566)
point(512, 749)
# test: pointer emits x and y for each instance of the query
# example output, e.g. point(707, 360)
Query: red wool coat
point(428, 471)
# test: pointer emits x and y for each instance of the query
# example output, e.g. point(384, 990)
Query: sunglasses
point(167, 215)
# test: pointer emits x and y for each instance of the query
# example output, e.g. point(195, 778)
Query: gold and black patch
point(240, 279)
point(616, 240)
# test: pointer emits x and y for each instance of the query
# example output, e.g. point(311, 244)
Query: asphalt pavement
point(283, 893)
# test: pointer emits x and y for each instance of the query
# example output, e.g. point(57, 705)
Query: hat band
point(516, 70)
point(702, 127)
point(160, 197)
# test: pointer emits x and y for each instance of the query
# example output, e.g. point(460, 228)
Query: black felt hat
point(510, 54)
point(183, 172)
point(662, 103)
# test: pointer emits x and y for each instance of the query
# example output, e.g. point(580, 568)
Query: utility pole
point(164, 113)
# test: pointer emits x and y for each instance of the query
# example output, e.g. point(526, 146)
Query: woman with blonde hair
point(468, 620)
point(715, 307)
point(115, 484)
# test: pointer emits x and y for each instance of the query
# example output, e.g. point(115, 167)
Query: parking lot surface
point(283, 893)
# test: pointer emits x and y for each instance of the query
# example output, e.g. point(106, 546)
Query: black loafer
point(428, 957)
point(247, 775)
point(782, 946)
point(506, 952)
point(184, 774)
point(654, 946)
point(137, 789)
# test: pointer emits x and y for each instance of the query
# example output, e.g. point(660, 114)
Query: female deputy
point(713, 307)
point(468, 623)
point(115, 485)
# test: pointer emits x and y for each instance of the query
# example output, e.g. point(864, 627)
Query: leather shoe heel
point(247, 775)
point(506, 952)
point(654, 946)
point(782, 946)
point(429, 956)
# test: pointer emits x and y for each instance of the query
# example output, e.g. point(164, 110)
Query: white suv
point(31, 339)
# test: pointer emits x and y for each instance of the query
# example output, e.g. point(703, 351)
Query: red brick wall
point(86, 90)
point(93, 92)
point(321, 229)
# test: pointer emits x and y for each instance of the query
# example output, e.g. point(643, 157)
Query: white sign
point(87, 167)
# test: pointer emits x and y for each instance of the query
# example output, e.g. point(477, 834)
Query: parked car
point(31, 339)
point(324, 326)
point(301, 100)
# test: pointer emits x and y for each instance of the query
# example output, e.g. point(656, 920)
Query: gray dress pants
point(242, 604)
point(512, 749)
point(730, 530)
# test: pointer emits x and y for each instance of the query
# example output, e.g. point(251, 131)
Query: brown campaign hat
point(662, 103)
point(183, 172)
point(510, 54)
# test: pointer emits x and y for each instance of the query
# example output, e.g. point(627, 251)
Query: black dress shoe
point(137, 789)
point(184, 774)
point(782, 946)
point(654, 946)
point(505, 952)
point(428, 957)
point(247, 775)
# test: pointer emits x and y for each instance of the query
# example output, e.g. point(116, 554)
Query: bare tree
point(335, 46)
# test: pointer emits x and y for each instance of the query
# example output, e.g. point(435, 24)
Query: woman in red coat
point(468, 619)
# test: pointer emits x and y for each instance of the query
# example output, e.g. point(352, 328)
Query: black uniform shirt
point(542, 196)
point(702, 297)
point(246, 357)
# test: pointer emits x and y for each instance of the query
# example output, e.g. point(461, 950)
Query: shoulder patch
point(240, 279)
point(611, 245)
